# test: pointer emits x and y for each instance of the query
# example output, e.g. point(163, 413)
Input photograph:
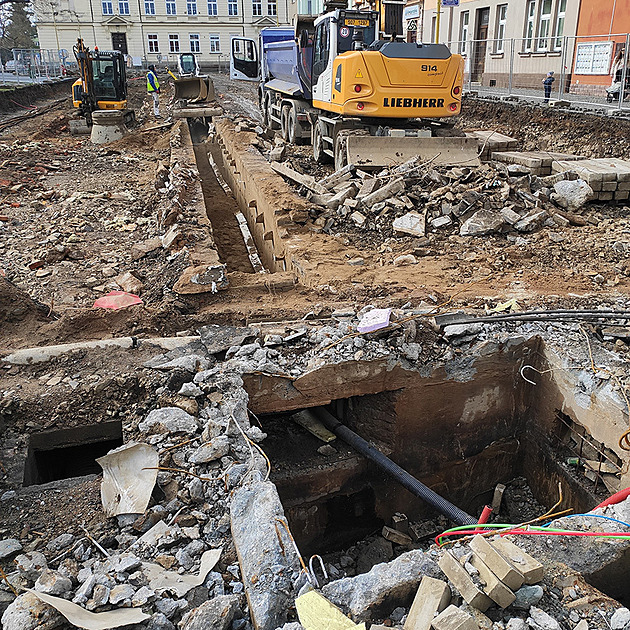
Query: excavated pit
point(459, 431)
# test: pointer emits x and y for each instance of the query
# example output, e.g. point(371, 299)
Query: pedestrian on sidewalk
point(547, 81)
point(153, 88)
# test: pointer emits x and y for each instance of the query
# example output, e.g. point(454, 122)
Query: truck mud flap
point(385, 151)
point(194, 89)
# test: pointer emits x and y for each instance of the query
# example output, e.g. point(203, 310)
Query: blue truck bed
point(281, 61)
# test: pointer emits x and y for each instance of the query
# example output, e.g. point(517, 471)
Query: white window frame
point(107, 6)
point(195, 42)
point(272, 8)
point(173, 43)
point(149, 7)
point(544, 27)
point(232, 8)
point(123, 7)
point(171, 7)
point(464, 27)
point(257, 8)
point(499, 46)
point(215, 42)
point(213, 7)
point(530, 25)
point(560, 19)
point(593, 58)
point(191, 7)
point(153, 43)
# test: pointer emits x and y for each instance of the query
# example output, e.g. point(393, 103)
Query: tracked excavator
point(358, 99)
point(102, 84)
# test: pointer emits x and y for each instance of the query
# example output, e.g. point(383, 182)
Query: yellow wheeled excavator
point(358, 99)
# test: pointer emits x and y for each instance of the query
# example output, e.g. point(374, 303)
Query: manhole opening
point(68, 453)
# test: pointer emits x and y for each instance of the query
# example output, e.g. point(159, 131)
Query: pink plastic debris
point(374, 320)
point(116, 300)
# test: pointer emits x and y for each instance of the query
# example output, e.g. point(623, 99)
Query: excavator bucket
point(386, 151)
point(194, 89)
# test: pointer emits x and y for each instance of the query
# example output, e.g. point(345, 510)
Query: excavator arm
point(86, 73)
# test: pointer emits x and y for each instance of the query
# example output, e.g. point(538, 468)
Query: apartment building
point(158, 30)
point(515, 42)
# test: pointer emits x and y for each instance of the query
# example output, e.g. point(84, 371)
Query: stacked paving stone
point(492, 141)
point(535, 162)
point(608, 177)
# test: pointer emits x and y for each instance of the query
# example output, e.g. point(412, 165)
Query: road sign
point(450, 3)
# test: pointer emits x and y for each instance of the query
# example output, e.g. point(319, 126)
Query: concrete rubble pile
point(211, 550)
point(415, 198)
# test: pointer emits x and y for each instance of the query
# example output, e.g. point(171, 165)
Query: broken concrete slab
point(304, 180)
point(389, 190)
point(216, 613)
point(572, 195)
point(432, 597)
point(482, 223)
point(412, 223)
point(384, 587)
point(266, 555)
point(218, 339)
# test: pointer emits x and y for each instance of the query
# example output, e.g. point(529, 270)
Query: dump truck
point(358, 99)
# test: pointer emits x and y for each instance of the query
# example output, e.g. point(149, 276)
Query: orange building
point(602, 30)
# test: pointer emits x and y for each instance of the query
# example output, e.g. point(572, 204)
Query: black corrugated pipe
point(394, 470)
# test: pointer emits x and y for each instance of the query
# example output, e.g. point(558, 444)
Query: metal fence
point(590, 71)
point(32, 66)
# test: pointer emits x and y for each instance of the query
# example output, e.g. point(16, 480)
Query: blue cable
point(608, 518)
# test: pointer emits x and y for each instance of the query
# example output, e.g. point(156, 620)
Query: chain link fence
point(589, 71)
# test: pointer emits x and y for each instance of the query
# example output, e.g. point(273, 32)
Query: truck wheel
point(318, 144)
point(284, 122)
point(294, 135)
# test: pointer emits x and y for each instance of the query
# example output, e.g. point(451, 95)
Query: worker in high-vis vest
point(153, 88)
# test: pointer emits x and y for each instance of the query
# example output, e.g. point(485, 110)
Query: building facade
point(156, 31)
point(514, 42)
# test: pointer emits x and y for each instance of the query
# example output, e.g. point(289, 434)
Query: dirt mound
point(19, 314)
point(140, 139)
point(543, 129)
point(52, 128)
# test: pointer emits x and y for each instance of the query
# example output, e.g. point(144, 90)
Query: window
point(232, 7)
point(171, 7)
point(433, 28)
point(256, 8)
point(544, 25)
point(108, 7)
point(562, 8)
point(215, 44)
point(154, 44)
point(149, 7)
point(499, 45)
point(194, 43)
point(213, 7)
point(593, 58)
point(191, 7)
point(123, 7)
point(463, 32)
point(272, 7)
point(173, 43)
point(529, 25)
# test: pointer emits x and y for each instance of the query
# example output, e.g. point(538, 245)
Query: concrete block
point(622, 194)
point(393, 535)
point(339, 176)
point(609, 186)
point(368, 187)
point(529, 567)
point(454, 619)
point(605, 196)
point(497, 563)
point(389, 190)
point(456, 573)
point(432, 597)
point(494, 589)
point(623, 185)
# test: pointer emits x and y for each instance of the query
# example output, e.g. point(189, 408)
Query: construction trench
point(521, 411)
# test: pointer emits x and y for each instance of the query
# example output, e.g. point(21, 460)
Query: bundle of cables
point(504, 529)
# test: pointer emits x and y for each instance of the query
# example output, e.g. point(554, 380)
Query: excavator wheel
point(318, 144)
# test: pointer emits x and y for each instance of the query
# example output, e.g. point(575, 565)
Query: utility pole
point(437, 21)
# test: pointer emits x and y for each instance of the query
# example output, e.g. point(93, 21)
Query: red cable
point(530, 532)
point(618, 497)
